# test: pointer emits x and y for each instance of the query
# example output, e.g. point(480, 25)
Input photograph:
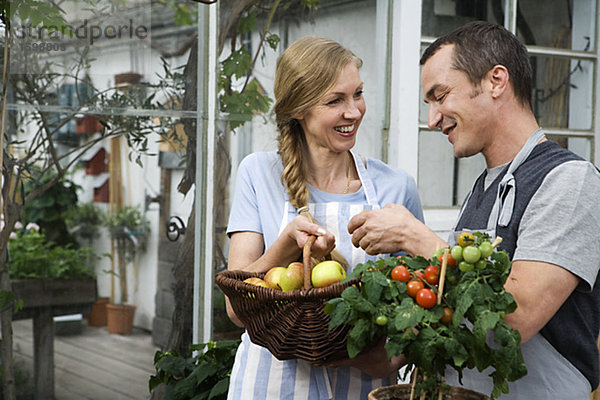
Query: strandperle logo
point(56, 38)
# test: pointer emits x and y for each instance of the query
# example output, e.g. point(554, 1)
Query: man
point(541, 199)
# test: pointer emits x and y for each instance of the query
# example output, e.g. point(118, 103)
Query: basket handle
point(306, 261)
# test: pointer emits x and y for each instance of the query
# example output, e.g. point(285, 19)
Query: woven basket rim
point(227, 278)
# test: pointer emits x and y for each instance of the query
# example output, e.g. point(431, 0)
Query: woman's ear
point(499, 80)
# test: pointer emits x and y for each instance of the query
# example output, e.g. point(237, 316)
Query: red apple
point(273, 276)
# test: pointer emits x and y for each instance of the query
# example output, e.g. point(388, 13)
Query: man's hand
point(391, 229)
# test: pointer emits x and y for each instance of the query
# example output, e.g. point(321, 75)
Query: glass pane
point(442, 16)
point(563, 92)
point(578, 145)
point(444, 180)
point(110, 95)
point(566, 24)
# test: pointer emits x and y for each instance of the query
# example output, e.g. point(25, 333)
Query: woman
point(319, 108)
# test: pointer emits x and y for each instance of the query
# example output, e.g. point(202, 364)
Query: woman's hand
point(373, 361)
point(300, 229)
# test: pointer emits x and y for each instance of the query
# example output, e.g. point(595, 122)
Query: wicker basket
point(290, 324)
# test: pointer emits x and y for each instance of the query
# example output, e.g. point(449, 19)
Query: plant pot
point(98, 315)
point(119, 318)
point(402, 392)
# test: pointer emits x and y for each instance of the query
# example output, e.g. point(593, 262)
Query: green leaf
point(354, 297)
point(247, 23)
point(358, 337)
point(408, 315)
point(219, 388)
point(485, 321)
point(272, 40)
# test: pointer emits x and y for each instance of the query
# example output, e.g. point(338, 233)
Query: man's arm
point(539, 289)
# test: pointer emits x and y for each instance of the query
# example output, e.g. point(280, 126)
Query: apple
point(327, 273)
point(258, 282)
point(293, 277)
point(273, 276)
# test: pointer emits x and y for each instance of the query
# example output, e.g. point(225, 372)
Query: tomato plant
point(426, 298)
point(424, 331)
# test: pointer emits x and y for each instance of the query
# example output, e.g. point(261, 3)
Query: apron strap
point(365, 180)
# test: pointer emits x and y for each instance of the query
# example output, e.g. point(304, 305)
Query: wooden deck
point(94, 364)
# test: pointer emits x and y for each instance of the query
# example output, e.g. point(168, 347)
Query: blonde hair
point(306, 71)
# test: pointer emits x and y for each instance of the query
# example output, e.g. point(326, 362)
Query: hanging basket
point(402, 392)
point(290, 324)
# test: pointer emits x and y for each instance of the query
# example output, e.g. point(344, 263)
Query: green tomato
point(437, 253)
point(471, 254)
point(481, 264)
point(381, 320)
point(486, 249)
point(457, 253)
point(465, 266)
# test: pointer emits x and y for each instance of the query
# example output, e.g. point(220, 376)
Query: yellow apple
point(273, 276)
point(327, 273)
point(258, 282)
point(293, 278)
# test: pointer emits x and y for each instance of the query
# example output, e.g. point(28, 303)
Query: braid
point(291, 150)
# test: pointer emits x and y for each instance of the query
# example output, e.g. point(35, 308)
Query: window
point(560, 36)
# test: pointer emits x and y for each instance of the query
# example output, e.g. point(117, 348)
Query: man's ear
point(498, 79)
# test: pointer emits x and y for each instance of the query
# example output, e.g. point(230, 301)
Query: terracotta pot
point(119, 318)
point(402, 392)
point(98, 315)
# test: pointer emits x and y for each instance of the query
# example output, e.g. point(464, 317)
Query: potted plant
point(129, 229)
point(84, 220)
point(437, 313)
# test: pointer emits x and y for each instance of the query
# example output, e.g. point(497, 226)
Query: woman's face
point(332, 123)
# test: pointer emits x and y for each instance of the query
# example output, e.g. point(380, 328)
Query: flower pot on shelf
point(98, 315)
point(119, 318)
point(402, 392)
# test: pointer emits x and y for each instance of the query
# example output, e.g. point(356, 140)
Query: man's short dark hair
point(479, 46)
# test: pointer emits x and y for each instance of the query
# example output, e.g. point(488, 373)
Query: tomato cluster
point(416, 280)
point(470, 253)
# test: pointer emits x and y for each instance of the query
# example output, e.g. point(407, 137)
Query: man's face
point(456, 107)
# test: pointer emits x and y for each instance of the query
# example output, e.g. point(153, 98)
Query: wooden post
point(43, 354)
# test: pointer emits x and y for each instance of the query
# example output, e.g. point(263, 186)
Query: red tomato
point(451, 260)
point(447, 317)
point(400, 273)
point(413, 287)
point(420, 275)
point(432, 278)
point(432, 268)
point(426, 298)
